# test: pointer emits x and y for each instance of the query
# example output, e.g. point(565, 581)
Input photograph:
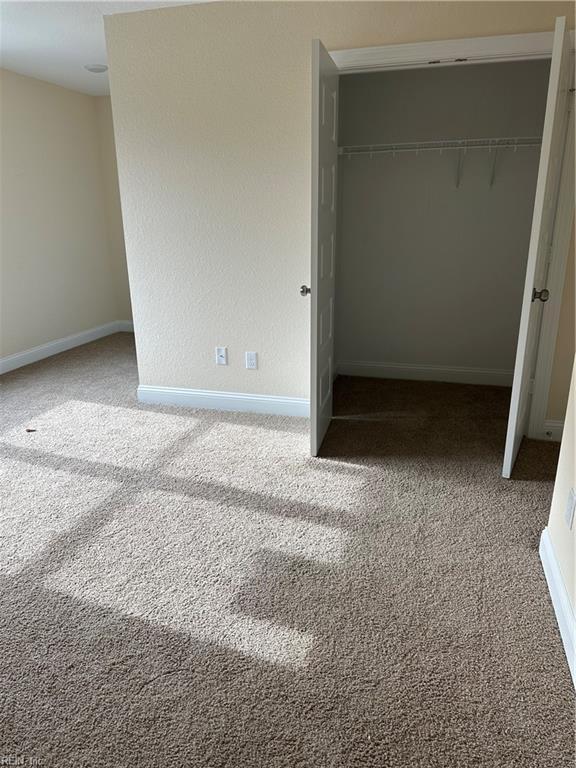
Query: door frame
point(442, 53)
point(538, 426)
point(478, 50)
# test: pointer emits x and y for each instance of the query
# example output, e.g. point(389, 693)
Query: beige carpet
point(191, 589)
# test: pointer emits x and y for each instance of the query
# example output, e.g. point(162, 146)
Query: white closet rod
point(516, 142)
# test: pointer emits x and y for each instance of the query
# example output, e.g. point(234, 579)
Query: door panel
point(559, 257)
point(545, 201)
point(324, 204)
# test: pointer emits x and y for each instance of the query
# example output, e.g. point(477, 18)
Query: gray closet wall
point(429, 274)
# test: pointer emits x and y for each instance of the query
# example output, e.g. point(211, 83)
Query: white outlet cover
point(221, 354)
point(252, 360)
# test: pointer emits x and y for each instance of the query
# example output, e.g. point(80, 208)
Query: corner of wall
point(112, 207)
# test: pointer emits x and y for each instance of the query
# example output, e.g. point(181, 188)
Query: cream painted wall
point(113, 208)
point(212, 122)
point(563, 540)
point(57, 273)
point(565, 345)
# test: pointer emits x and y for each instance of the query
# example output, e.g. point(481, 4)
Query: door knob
point(543, 295)
point(304, 290)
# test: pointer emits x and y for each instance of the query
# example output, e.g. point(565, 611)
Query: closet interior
point(437, 173)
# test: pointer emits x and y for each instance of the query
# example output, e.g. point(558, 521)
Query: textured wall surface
point(58, 275)
point(212, 113)
point(113, 209)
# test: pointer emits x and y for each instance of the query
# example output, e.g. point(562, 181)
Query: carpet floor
point(190, 588)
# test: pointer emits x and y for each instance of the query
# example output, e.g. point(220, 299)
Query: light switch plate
point(570, 508)
point(221, 355)
point(252, 360)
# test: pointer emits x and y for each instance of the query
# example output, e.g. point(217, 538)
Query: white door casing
point(559, 255)
point(324, 220)
point(549, 171)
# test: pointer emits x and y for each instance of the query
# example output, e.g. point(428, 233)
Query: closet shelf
point(516, 142)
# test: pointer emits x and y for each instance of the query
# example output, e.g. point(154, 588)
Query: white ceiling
point(54, 40)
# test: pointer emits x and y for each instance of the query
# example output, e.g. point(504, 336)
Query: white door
point(549, 172)
point(324, 205)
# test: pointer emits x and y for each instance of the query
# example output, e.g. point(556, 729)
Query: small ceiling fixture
point(97, 69)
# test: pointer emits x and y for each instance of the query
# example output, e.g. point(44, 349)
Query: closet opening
point(429, 182)
point(437, 173)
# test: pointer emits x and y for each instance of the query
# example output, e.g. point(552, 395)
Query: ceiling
point(53, 41)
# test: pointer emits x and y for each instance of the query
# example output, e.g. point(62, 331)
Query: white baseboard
point(124, 326)
point(553, 429)
point(224, 401)
point(17, 360)
point(560, 600)
point(412, 371)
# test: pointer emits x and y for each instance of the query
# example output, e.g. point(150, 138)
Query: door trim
point(559, 254)
point(550, 173)
point(441, 53)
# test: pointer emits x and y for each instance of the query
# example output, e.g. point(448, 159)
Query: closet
point(437, 172)
point(442, 209)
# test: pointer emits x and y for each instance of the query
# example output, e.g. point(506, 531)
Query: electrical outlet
point(570, 508)
point(221, 355)
point(252, 360)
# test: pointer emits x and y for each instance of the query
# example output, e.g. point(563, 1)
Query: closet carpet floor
point(190, 588)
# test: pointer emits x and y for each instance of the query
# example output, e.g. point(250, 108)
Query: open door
point(324, 205)
point(549, 171)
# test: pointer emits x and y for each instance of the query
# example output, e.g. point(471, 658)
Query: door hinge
point(531, 387)
point(543, 295)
